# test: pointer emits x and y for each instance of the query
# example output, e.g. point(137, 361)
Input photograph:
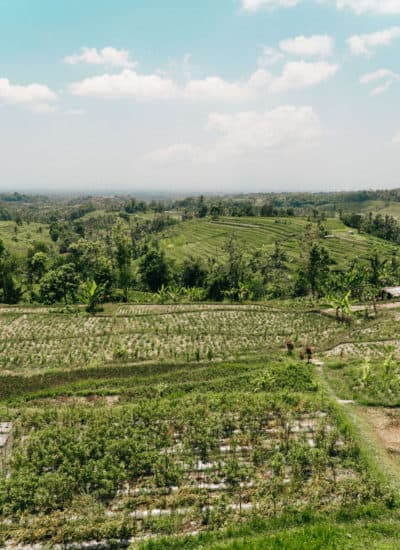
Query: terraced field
point(154, 420)
point(32, 342)
point(205, 238)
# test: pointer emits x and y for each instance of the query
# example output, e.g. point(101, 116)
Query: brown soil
point(88, 400)
point(386, 425)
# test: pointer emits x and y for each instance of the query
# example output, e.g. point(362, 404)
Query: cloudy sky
point(199, 95)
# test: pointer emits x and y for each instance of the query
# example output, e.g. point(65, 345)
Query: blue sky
point(210, 95)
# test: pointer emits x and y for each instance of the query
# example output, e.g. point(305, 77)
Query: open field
point(151, 333)
point(126, 426)
point(38, 340)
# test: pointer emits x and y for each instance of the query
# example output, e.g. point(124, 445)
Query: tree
point(317, 269)
point(37, 266)
point(123, 255)
point(60, 284)
point(202, 208)
point(377, 269)
point(11, 291)
point(267, 210)
point(92, 296)
point(91, 262)
point(193, 273)
point(153, 270)
point(301, 286)
point(341, 303)
point(235, 263)
point(54, 231)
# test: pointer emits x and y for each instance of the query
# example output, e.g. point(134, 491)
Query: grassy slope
point(381, 534)
point(377, 207)
point(27, 234)
point(205, 237)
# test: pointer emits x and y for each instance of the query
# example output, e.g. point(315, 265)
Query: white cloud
point(130, 84)
point(216, 89)
point(74, 112)
point(359, 7)
point(127, 84)
point(365, 44)
point(36, 97)
point(317, 45)
point(254, 5)
point(245, 132)
point(155, 87)
point(382, 7)
point(396, 139)
point(269, 56)
point(381, 89)
point(283, 126)
point(107, 57)
point(380, 75)
point(377, 75)
point(180, 152)
point(300, 74)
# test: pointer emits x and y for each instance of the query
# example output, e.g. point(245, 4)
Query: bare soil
point(386, 425)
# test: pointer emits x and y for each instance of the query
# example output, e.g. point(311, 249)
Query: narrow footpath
point(385, 463)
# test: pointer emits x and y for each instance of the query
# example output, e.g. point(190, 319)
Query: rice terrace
point(199, 275)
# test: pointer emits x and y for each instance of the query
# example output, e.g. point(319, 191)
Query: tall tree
point(317, 269)
point(153, 270)
point(123, 255)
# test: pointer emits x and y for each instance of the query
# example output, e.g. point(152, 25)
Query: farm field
point(205, 238)
point(151, 333)
point(49, 339)
point(151, 420)
point(199, 275)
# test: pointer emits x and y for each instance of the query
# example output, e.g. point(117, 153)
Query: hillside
point(205, 238)
point(18, 238)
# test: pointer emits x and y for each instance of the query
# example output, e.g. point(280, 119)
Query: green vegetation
point(236, 249)
point(199, 373)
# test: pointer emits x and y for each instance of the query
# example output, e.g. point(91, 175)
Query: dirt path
point(354, 309)
point(378, 433)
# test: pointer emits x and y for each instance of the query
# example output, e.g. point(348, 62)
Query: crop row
point(63, 341)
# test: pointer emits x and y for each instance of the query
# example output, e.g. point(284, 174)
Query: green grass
point(287, 534)
point(205, 238)
point(27, 234)
point(377, 207)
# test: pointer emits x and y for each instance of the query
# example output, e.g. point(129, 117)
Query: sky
point(188, 96)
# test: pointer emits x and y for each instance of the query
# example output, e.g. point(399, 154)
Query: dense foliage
point(121, 244)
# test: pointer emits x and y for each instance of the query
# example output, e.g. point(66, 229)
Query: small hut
point(391, 293)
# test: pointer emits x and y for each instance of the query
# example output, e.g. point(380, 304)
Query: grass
point(17, 239)
point(294, 533)
point(205, 238)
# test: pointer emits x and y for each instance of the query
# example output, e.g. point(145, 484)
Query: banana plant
point(92, 296)
point(342, 306)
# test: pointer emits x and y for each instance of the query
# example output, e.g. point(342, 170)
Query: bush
point(288, 376)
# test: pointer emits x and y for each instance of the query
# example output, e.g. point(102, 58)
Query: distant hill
point(206, 237)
